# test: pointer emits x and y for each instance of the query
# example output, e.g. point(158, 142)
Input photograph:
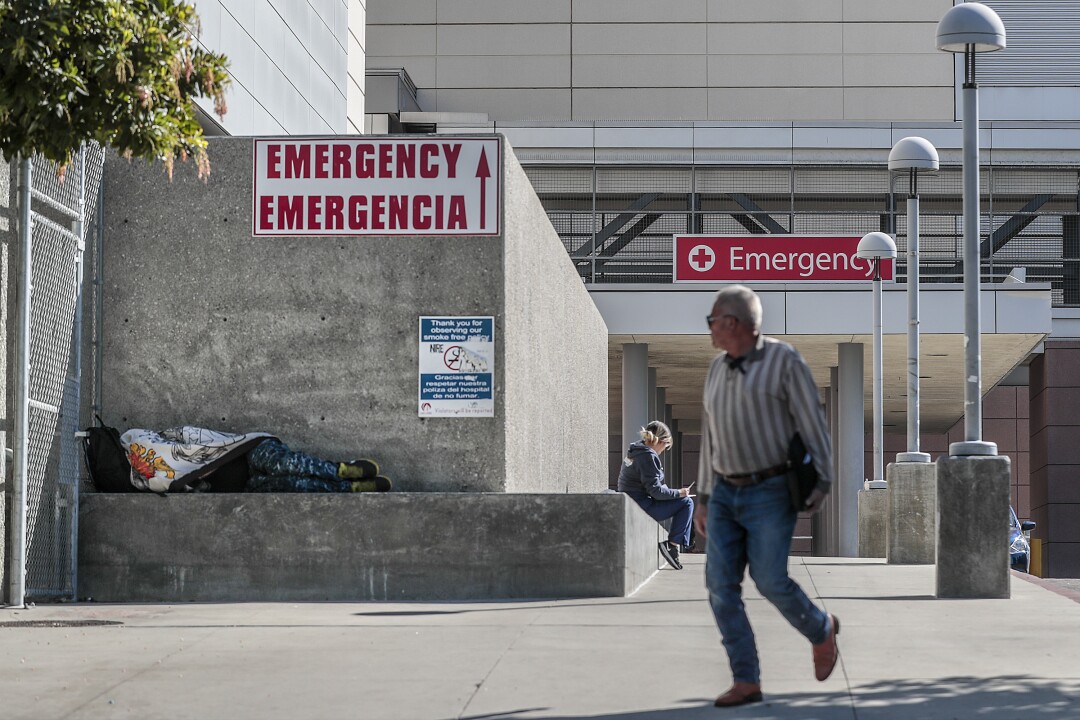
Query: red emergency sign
point(772, 258)
point(431, 185)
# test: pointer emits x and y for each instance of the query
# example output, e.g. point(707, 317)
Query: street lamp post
point(973, 481)
point(911, 504)
point(875, 247)
point(913, 154)
point(971, 28)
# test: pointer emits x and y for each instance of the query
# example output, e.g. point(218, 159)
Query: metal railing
point(617, 223)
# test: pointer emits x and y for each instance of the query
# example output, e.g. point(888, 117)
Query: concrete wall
point(315, 339)
point(556, 392)
point(287, 548)
point(683, 60)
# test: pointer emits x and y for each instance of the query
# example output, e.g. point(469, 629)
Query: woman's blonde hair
point(655, 432)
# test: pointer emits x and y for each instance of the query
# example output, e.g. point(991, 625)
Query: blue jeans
point(680, 510)
point(274, 467)
point(752, 525)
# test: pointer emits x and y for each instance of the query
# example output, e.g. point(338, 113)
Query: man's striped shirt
point(751, 413)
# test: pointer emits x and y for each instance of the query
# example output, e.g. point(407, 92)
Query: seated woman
point(188, 458)
point(642, 478)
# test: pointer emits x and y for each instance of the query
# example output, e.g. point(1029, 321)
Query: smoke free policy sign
point(457, 366)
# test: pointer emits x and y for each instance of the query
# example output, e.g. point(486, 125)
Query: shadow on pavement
point(502, 605)
point(1007, 697)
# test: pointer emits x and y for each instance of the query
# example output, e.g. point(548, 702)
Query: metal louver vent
point(1043, 45)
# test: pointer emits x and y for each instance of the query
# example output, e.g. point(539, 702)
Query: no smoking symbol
point(702, 258)
point(452, 357)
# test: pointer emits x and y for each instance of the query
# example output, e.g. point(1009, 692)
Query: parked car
point(1019, 547)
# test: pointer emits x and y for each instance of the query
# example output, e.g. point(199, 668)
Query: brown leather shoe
point(826, 652)
point(741, 693)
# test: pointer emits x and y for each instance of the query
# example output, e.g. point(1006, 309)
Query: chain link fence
point(617, 223)
point(61, 217)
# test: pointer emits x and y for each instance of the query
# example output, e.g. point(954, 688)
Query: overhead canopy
point(815, 319)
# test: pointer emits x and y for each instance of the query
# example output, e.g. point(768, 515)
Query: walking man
point(758, 393)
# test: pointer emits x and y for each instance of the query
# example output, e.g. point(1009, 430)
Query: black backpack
point(106, 459)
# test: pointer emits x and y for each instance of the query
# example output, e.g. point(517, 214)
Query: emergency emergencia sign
point(772, 258)
point(430, 185)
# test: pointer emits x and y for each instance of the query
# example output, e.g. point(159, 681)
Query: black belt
point(754, 478)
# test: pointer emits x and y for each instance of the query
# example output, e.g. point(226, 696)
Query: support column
point(652, 395)
point(635, 391)
point(849, 453)
point(676, 455)
point(659, 396)
point(819, 521)
point(833, 545)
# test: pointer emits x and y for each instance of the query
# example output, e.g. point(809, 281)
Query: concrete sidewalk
point(654, 656)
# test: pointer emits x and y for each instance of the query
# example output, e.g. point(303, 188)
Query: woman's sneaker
point(670, 551)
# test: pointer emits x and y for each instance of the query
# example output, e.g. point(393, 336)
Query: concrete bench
point(361, 547)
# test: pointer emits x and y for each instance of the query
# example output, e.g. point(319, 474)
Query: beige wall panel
point(516, 71)
point(504, 40)
point(879, 103)
point(506, 104)
point(640, 104)
point(354, 108)
point(775, 103)
point(401, 12)
point(872, 38)
point(639, 71)
point(668, 11)
point(358, 28)
point(887, 70)
point(892, 11)
point(356, 62)
point(504, 11)
point(774, 38)
point(776, 11)
point(401, 40)
point(659, 39)
point(420, 68)
point(776, 71)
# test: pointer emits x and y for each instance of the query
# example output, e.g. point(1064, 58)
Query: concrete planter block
point(872, 522)
point(911, 536)
point(973, 527)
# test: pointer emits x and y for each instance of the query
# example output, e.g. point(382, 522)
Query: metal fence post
point(17, 588)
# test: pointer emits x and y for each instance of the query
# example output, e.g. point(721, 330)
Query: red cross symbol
point(702, 258)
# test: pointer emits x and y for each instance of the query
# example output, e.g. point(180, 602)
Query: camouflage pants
point(274, 467)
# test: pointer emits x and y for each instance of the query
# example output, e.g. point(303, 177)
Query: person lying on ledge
point(193, 459)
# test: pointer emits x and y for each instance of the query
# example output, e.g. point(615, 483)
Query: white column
point(635, 391)
point(660, 413)
point(833, 546)
point(653, 406)
point(850, 431)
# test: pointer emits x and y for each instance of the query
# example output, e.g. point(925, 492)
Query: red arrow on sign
point(483, 172)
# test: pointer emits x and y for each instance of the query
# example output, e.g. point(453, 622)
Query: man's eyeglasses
point(710, 319)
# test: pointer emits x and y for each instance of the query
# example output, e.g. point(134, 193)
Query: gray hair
point(743, 303)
